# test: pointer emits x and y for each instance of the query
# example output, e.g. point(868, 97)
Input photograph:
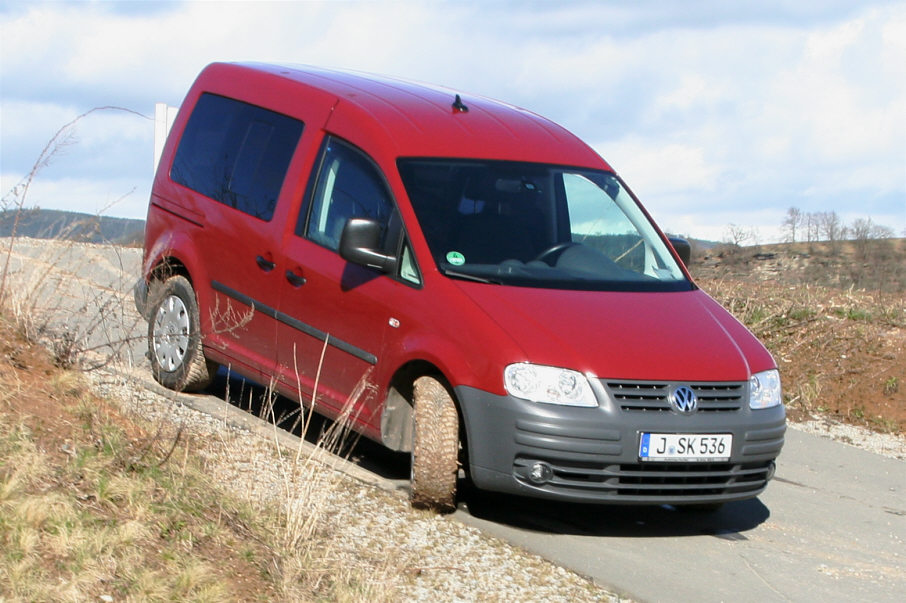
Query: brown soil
point(841, 352)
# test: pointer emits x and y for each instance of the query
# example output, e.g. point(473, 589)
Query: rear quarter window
point(236, 153)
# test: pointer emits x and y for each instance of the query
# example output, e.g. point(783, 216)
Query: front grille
point(651, 396)
point(655, 481)
point(665, 479)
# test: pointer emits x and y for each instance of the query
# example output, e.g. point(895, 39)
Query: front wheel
point(435, 447)
point(174, 337)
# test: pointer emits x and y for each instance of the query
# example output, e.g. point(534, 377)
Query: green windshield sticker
point(456, 258)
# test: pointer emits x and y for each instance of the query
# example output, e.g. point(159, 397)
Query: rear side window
point(236, 153)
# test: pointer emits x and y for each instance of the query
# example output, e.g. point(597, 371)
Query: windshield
point(537, 226)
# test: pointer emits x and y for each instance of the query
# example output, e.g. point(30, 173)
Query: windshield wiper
point(470, 277)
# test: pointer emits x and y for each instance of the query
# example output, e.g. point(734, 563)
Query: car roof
point(420, 120)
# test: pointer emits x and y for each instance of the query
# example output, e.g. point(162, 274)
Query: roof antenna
point(460, 106)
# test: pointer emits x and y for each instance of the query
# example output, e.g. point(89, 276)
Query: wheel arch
point(396, 416)
point(175, 252)
point(170, 260)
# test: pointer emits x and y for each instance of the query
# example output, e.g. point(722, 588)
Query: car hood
point(676, 336)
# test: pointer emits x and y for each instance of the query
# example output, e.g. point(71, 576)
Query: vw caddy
point(458, 278)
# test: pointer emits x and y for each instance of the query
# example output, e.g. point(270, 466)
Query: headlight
point(548, 384)
point(764, 390)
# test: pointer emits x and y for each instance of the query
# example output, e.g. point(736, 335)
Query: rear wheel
point(435, 447)
point(174, 337)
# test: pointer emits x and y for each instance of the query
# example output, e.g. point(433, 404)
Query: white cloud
point(661, 171)
point(64, 141)
point(694, 93)
point(838, 117)
point(709, 110)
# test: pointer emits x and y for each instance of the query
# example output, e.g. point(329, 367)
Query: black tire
point(174, 337)
point(435, 447)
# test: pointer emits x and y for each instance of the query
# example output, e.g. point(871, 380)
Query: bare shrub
point(37, 299)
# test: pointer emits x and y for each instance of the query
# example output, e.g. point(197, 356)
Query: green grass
point(853, 313)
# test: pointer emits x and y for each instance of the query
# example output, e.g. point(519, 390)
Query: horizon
point(710, 242)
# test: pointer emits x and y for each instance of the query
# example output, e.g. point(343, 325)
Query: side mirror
point(683, 249)
point(360, 242)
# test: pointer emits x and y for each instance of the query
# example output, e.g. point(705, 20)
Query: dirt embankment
point(841, 348)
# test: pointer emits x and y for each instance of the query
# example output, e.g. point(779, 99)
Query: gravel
point(885, 444)
point(85, 290)
point(419, 555)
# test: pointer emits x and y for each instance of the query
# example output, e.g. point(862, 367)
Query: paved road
point(831, 526)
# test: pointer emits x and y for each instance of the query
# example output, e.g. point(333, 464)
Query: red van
point(461, 278)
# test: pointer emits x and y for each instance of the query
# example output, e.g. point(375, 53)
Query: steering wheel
point(553, 252)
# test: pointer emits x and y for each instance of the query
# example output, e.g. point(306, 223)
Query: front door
point(337, 316)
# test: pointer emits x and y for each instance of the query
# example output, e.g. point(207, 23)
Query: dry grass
point(309, 560)
point(94, 503)
point(53, 298)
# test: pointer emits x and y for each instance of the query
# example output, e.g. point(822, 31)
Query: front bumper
point(592, 454)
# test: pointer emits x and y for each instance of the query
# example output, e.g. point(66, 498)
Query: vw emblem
point(684, 400)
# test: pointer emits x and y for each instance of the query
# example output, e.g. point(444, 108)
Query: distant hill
point(71, 226)
point(871, 264)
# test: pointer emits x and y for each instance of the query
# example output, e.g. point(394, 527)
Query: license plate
point(694, 447)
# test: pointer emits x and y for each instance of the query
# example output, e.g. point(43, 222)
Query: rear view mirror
point(360, 244)
point(683, 249)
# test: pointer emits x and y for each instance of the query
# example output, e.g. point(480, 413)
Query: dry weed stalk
point(229, 320)
point(839, 351)
point(309, 483)
point(45, 281)
point(84, 325)
point(16, 198)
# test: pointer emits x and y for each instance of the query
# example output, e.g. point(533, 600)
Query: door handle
point(264, 263)
point(296, 280)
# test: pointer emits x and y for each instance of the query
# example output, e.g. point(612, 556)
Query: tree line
point(860, 254)
point(816, 226)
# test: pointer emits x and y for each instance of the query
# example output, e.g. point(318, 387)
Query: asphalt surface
point(831, 526)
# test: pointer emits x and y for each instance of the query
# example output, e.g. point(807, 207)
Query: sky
point(715, 113)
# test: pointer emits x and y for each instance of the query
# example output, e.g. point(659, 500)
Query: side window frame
point(396, 239)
